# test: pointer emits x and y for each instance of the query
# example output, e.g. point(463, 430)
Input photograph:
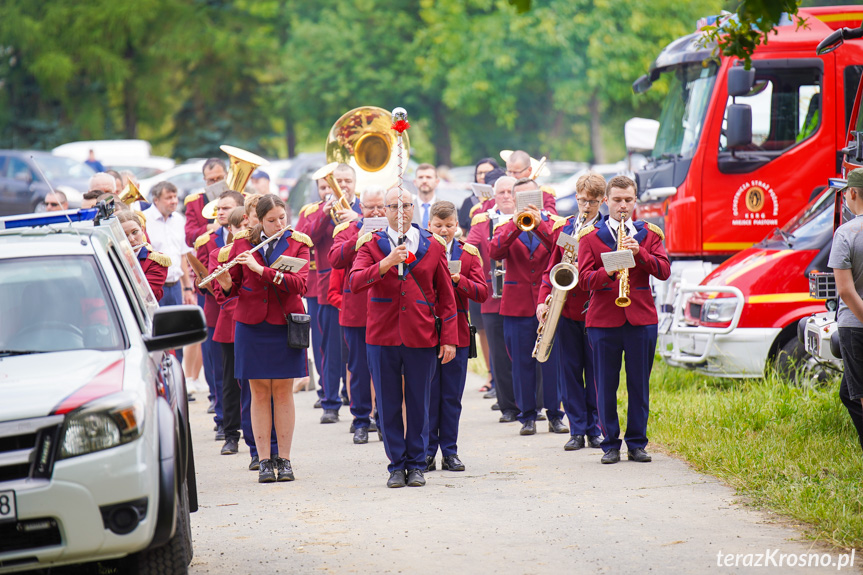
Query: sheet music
point(213, 191)
point(454, 266)
point(526, 198)
point(567, 242)
point(618, 260)
point(482, 191)
point(289, 264)
point(374, 224)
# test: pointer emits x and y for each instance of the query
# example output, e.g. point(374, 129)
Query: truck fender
point(166, 516)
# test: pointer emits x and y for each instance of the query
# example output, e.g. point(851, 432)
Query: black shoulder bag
point(299, 327)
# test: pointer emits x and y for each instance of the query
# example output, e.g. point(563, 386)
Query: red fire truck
point(738, 154)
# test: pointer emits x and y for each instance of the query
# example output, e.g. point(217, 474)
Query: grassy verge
point(792, 450)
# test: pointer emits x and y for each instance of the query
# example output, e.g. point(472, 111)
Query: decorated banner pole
point(400, 124)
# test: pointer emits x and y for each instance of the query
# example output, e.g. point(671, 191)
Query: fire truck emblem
point(755, 204)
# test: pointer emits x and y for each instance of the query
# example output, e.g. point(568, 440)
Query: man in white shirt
point(166, 229)
point(426, 182)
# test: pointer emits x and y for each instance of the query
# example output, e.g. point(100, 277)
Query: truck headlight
point(103, 424)
point(718, 310)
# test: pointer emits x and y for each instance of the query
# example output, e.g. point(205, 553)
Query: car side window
point(17, 169)
point(129, 291)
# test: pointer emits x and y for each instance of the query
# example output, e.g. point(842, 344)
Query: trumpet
point(525, 222)
point(341, 203)
point(234, 261)
point(623, 299)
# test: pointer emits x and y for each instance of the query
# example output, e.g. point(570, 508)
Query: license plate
point(813, 343)
point(8, 510)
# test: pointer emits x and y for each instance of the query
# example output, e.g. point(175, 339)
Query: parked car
point(133, 155)
point(187, 177)
point(23, 188)
point(96, 458)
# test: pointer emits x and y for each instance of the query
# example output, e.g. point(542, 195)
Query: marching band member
point(447, 383)
point(154, 264)
point(402, 337)
point(320, 229)
point(353, 314)
point(262, 354)
point(527, 255)
point(196, 224)
point(576, 365)
point(212, 350)
point(615, 330)
point(480, 236)
point(312, 291)
point(519, 166)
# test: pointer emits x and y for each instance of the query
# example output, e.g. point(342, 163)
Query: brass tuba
point(341, 203)
point(131, 194)
point(242, 165)
point(364, 139)
point(623, 299)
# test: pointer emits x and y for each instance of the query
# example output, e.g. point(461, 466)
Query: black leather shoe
point(611, 456)
point(380, 435)
point(345, 400)
point(397, 478)
point(495, 406)
point(317, 404)
point(286, 473)
point(490, 394)
point(508, 417)
point(451, 463)
point(528, 428)
point(594, 441)
point(330, 416)
point(373, 425)
point(361, 435)
point(215, 427)
point(190, 397)
point(231, 446)
point(212, 408)
point(255, 464)
point(430, 463)
point(557, 426)
point(540, 416)
point(220, 434)
point(416, 478)
point(266, 474)
point(639, 455)
point(575, 443)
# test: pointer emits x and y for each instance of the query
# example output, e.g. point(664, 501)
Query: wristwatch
point(188, 289)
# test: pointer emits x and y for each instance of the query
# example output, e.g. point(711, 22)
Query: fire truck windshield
point(683, 111)
point(810, 228)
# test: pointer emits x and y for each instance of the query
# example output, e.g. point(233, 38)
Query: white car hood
point(33, 385)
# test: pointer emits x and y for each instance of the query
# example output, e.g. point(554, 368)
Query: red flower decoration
point(411, 257)
point(401, 125)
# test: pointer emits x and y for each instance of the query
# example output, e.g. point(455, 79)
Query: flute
point(234, 262)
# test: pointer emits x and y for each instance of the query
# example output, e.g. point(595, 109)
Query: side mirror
point(176, 326)
point(837, 38)
point(642, 85)
point(740, 80)
point(739, 128)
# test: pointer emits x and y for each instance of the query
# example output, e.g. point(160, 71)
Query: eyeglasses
point(587, 202)
point(516, 171)
point(405, 205)
point(367, 207)
point(52, 204)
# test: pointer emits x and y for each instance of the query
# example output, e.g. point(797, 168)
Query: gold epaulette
point(656, 230)
point(499, 224)
point(302, 238)
point(585, 231)
point(304, 208)
point(559, 221)
point(479, 218)
point(243, 234)
point(202, 240)
point(224, 253)
point(160, 259)
point(474, 209)
point(191, 198)
point(440, 239)
point(363, 239)
point(340, 228)
point(548, 190)
point(312, 208)
point(470, 248)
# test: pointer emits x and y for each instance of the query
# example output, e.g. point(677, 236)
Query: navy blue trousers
point(317, 337)
point(212, 352)
point(405, 448)
point(609, 345)
point(501, 363)
point(331, 376)
point(246, 420)
point(520, 336)
point(361, 378)
point(174, 296)
point(447, 388)
point(576, 377)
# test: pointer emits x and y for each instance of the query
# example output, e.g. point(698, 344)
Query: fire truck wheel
point(790, 363)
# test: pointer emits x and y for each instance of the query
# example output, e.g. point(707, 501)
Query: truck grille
point(30, 534)
point(822, 285)
point(27, 447)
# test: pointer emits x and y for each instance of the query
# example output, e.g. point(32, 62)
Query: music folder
point(454, 266)
point(288, 264)
point(374, 224)
point(526, 198)
point(618, 260)
point(482, 191)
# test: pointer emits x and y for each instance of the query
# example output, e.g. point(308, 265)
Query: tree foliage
point(552, 76)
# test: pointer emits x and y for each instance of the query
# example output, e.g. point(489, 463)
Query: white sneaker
point(197, 386)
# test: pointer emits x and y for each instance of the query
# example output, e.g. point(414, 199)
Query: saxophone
point(563, 277)
point(623, 275)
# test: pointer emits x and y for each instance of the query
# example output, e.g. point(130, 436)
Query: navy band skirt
point(261, 352)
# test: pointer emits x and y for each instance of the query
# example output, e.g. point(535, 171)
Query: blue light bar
point(837, 182)
point(47, 218)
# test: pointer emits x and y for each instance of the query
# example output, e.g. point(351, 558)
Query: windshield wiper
point(665, 159)
point(8, 352)
point(786, 237)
